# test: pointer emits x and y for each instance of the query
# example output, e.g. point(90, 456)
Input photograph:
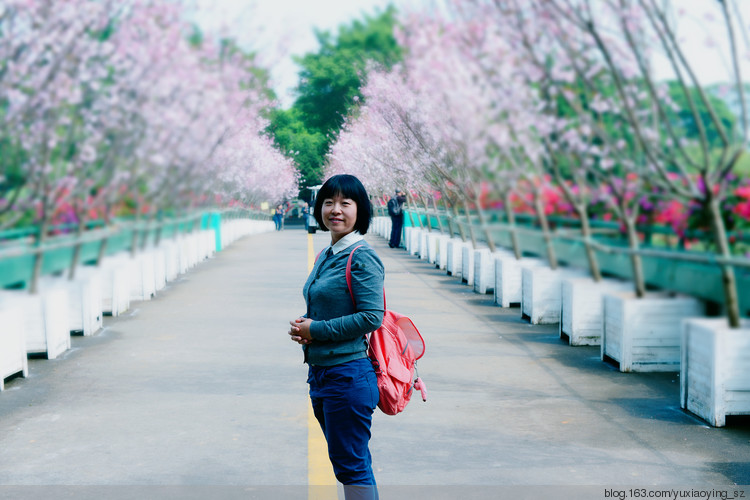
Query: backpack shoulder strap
point(349, 277)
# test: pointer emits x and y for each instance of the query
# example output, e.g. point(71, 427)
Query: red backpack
point(394, 350)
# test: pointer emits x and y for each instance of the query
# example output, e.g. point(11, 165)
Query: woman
point(278, 215)
point(333, 332)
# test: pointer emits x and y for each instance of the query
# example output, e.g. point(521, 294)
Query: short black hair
point(350, 187)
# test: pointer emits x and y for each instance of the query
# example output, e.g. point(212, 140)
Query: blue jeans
point(343, 399)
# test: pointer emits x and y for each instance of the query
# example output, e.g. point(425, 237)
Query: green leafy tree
point(329, 85)
point(305, 146)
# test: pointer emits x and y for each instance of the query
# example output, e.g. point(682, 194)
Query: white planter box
point(376, 226)
point(644, 335)
point(160, 268)
point(171, 259)
point(715, 369)
point(182, 251)
point(441, 259)
point(143, 284)
point(467, 264)
point(85, 311)
point(117, 273)
point(541, 298)
point(484, 269)
point(412, 240)
point(423, 244)
point(508, 284)
point(207, 243)
point(193, 243)
point(13, 357)
point(454, 265)
point(45, 319)
point(189, 250)
point(433, 243)
point(407, 239)
point(228, 230)
point(582, 316)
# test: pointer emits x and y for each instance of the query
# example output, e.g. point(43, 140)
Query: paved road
point(199, 393)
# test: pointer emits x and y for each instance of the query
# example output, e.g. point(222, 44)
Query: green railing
point(19, 250)
point(694, 273)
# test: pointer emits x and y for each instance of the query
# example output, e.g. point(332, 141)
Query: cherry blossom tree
point(438, 114)
point(101, 102)
point(628, 36)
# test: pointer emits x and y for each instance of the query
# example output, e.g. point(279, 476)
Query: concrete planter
point(508, 284)
point(441, 258)
point(228, 233)
point(412, 240)
point(45, 319)
point(171, 260)
point(117, 273)
point(207, 243)
point(454, 265)
point(408, 239)
point(541, 298)
point(85, 311)
point(13, 357)
point(379, 224)
point(484, 269)
point(644, 335)
point(160, 268)
point(467, 264)
point(143, 283)
point(715, 369)
point(433, 246)
point(188, 254)
point(424, 238)
point(193, 248)
point(582, 316)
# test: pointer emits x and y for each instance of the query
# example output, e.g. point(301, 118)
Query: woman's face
point(339, 216)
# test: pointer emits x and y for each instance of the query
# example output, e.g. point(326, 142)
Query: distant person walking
point(306, 215)
point(395, 210)
point(278, 216)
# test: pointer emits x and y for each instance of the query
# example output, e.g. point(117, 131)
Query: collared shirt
point(346, 242)
point(339, 327)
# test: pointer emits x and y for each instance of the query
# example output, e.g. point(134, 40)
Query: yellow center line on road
point(321, 482)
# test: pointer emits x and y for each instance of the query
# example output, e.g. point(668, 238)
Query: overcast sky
point(279, 29)
point(286, 27)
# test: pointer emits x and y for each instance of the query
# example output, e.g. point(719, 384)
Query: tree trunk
point(635, 259)
point(547, 235)
point(596, 273)
point(437, 215)
point(428, 222)
point(81, 214)
point(39, 255)
point(102, 251)
point(450, 208)
point(146, 230)
point(728, 279)
point(483, 224)
point(103, 245)
point(159, 230)
point(410, 198)
point(134, 242)
point(469, 225)
point(512, 223)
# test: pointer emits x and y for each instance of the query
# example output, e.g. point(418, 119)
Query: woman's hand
point(300, 330)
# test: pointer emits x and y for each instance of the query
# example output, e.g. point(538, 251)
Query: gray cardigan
point(338, 329)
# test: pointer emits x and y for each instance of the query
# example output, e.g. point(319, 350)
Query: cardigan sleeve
point(368, 276)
